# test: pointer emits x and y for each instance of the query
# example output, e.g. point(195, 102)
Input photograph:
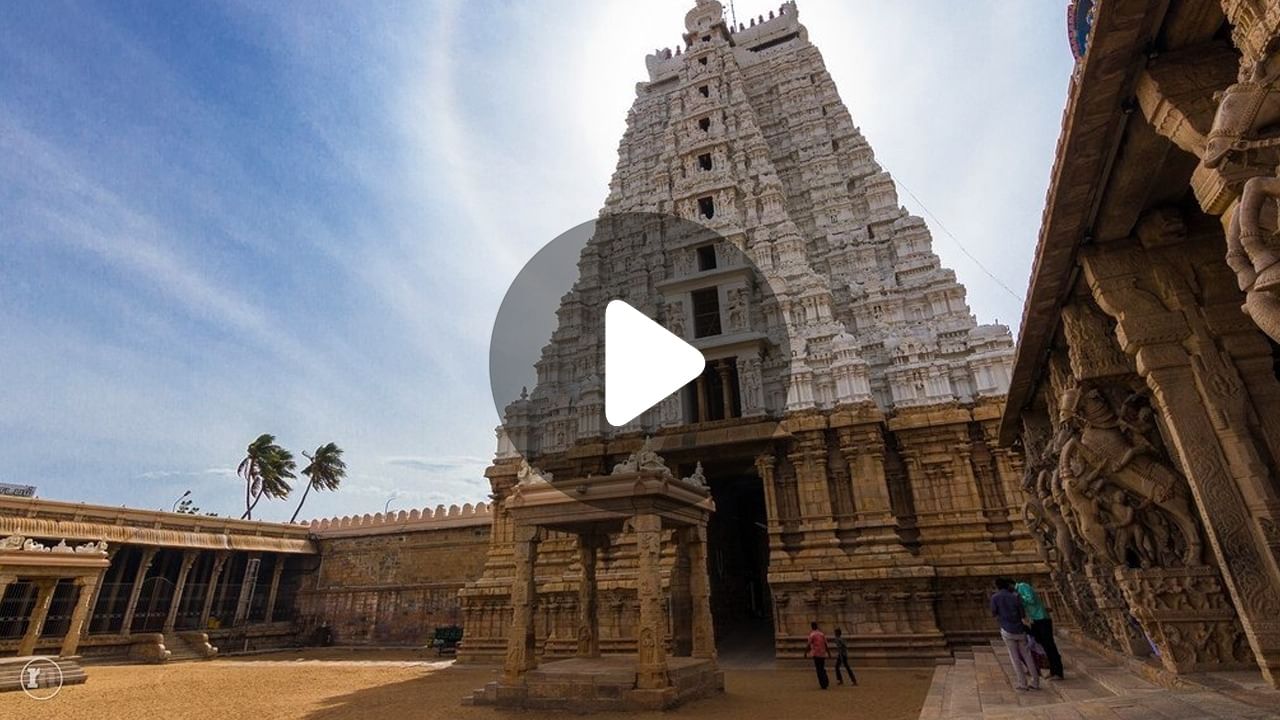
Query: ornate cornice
point(32, 517)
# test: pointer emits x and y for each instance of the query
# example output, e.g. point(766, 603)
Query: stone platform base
point(11, 679)
point(602, 684)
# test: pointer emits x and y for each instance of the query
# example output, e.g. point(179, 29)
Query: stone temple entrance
point(738, 565)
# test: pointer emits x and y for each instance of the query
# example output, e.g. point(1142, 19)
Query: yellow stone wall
point(392, 588)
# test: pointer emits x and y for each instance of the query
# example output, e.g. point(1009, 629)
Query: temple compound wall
point(79, 579)
point(391, 580)
point(855, 472)
point(1145, 391)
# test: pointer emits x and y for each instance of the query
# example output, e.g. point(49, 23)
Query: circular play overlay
point(716, 292)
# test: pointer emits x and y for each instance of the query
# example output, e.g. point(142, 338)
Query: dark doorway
point(738, 564)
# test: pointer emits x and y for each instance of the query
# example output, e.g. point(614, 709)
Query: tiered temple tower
point(845, 418)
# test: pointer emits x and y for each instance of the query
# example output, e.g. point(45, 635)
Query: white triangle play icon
point(643, 363)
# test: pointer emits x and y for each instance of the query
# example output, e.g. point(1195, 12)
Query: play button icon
point(643, 363)
point(593, 346)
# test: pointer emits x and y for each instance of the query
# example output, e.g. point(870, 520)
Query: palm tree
point(266, 469)
point(324, 472)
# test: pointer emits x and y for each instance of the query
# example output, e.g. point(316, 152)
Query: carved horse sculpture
point(1248, 122)
point(1104, 447)
point(1248, 117)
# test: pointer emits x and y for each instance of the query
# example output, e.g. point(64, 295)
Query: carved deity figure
point(1043, 512)
point(528, 474)
point(1078, 479)
point(697, 479)
point(13, 542)
point(643, 460)
point(675, 318)
point(92, 547)
point(737, 309)
point(1101, 448)
point(1128, 533)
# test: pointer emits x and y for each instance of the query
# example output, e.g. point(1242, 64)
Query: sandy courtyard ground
point(337, 685)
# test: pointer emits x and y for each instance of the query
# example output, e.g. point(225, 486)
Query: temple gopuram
point(855, 471)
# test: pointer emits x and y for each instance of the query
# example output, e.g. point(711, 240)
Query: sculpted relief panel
point(1115, 514)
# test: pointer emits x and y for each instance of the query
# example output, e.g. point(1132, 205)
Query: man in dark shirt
point(1006, 608)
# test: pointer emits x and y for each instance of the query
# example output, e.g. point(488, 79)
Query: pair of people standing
point(1010, 605)
point(819, 651)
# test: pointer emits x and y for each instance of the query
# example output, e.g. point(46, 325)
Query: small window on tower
point(707, 207)
point(705, 124)
point(702, 60)
point(707, 257)
point(835, 144)
point(705, 90)
point(706, 38)
point(704, 161)
point(706, 312)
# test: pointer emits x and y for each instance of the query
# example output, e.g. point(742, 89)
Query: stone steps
point(12, 680)
point(932, 709)
point(980, 687)
point(180, 652)
point(182, 649)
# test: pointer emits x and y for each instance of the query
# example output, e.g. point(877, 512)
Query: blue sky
point(227, 218)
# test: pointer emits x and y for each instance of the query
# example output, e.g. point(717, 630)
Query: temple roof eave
point(1093, 122)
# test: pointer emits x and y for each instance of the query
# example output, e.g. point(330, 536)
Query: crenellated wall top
point(440, 518)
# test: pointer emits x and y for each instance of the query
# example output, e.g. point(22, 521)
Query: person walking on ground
point(842, 659)
point(1006, 608)
point(1041, 627)
point(818, 651)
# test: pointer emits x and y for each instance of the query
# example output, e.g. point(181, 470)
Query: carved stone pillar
point(1199, 394)
point(703, 404)
point(809, 456)
point(247, 584)
point(704, 638)
point(210, 592)
point(87, 588)
point(97, 589)
point(522, 640)
point(148, 555)
point(179, 588)
point(726, 385)
point(116, 583)
point(862, 449)
point(765, 466)
point(588, 605)
point(679, 599)
point(651, 664)
point(276, 570)
point(39, 614)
